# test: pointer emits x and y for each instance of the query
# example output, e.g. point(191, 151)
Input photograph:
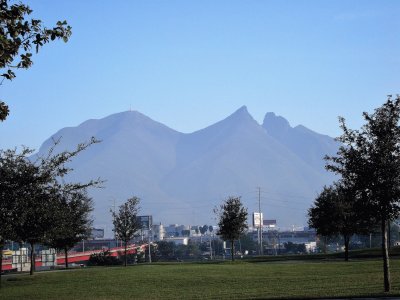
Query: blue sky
point(189, 64)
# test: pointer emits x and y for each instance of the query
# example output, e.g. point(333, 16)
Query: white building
point(177, 240)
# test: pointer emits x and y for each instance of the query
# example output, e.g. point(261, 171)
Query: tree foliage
point(30, 190)
point(335, 212)
point(369, 159)
point(232, 220)
point(166, 249)
point(293, 248)
point(18, 35)
point(13, 167)
point(126, 222)
point(103, 258)
point(203, 229)
point(72, 221)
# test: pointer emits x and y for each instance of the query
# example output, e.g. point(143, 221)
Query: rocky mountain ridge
point(182, 177)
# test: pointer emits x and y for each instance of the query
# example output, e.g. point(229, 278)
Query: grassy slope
point(212, 281)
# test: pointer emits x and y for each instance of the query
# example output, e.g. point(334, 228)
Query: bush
point(132, 258)
point(103, 259)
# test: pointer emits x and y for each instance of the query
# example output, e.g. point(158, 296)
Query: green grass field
point(241, 280)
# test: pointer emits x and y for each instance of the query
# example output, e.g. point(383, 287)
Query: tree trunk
point(1, 260)
point(346, 247)
point(66, 257)
point(385, 255)
point(389, 235)
point(325, 242)
point(232, 250)
point(20, 255)
point(32, 270)
point(126, 257)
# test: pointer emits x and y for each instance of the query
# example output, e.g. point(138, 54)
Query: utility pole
point(149, 241)
point(261, 222)
point(115, 234)
point(211, 254)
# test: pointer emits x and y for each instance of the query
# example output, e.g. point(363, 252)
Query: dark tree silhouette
point(232, 222)
point(12, 165)
point(126, 222)
point(72, 221)
point(335, 212)
point(370, 158)
point(36, 188)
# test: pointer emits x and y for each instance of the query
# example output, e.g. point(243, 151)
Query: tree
point(232, 222)
point(335, 212)
point(203, 229)
point(126, 222)
point(17, 37)
point(247, 243)
point(36, 185)
point(293, 248)
point(72, 223)
point(370, 158)
point(185, 232)
point(29, 216)
point(12, 165)
point(166, 249)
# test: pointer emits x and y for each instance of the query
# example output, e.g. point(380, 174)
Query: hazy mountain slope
point(307, 144)
point(235, 156)
point(134, 153)
point(181, 177)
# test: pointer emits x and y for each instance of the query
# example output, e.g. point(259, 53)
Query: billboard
point(146, 221)
point(257, 219)
point(97, 233)
point(270, 223)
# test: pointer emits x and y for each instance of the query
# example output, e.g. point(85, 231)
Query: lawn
point(241, 280)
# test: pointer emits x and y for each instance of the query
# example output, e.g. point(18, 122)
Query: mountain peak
point(242, 109)
point(177, 174)
point(275, 124)
point(242, 114)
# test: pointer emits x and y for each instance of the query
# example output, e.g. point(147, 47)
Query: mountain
point(307, 144)
point(182, 177)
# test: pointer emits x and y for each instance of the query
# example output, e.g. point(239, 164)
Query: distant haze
point(181, 177)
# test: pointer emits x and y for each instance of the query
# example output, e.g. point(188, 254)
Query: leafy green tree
point(247, 243)
point(180, 251)
point(166, 249)
point(17, 37)
point(335, 212)
point(32, 201)
point(291, 247)
point(126, 222)
point(72, 221)
point(36, 187)
point(12, 166)
point(193, 250)
point(232, 222)
point(104, 258)
point(370, 158)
